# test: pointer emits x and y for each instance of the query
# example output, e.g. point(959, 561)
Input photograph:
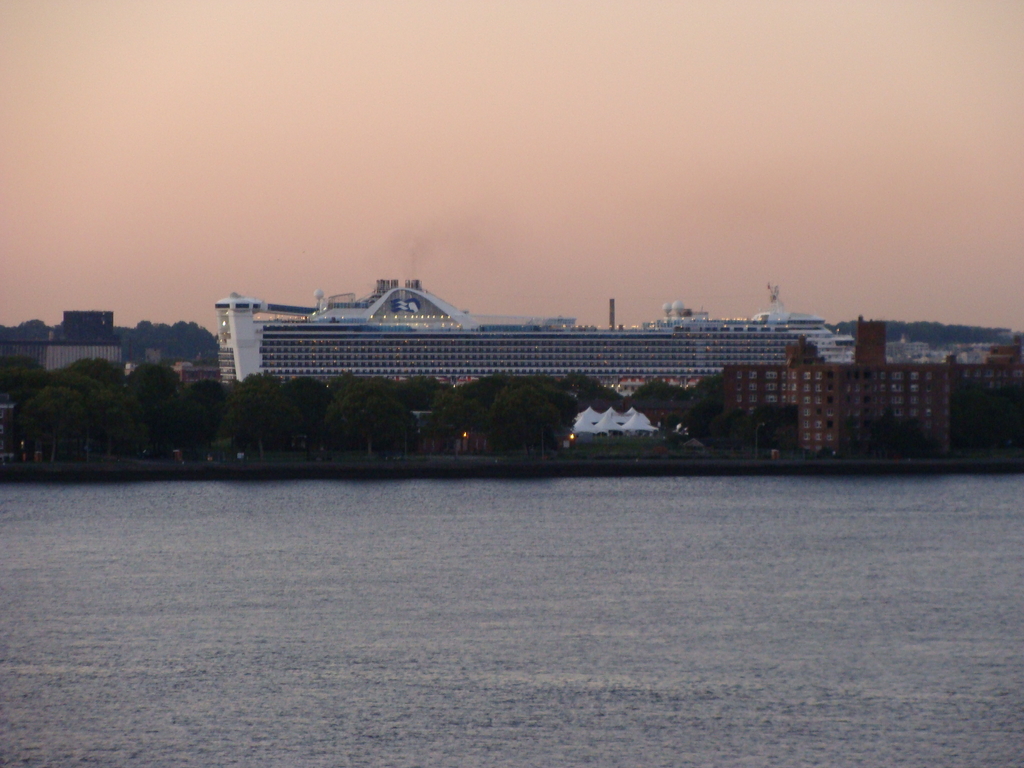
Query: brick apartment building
point(837, 403)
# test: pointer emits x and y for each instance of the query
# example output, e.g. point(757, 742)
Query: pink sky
point(524, 157)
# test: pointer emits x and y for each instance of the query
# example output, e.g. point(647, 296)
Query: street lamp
point(756, 430)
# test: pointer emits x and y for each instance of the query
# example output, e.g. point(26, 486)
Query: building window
point(828, 436)
point(897, 412)
point(769, 387)
point(807, 411)
point(753, 386)
point(913, 412)
point(913, 375)
point(807, 375)
point(829, 412)
point(807, 425)
point(817, 437)
point(817, 424)
point(770, 398)
point(897, 375)
point(807, 436)
point(771, 375)
point(817, 375)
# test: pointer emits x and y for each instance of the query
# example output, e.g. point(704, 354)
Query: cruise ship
point(403, 331)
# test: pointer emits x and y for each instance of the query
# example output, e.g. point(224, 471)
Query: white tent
point(637, 424)
point(607, 423)
point(587, 417)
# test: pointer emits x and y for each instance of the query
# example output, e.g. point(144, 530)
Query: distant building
point(904, 351)
point(86, 335)
point(189, 373)
point(90, 326)
point(837, 403)
point(53, 355)
point(1000, 367)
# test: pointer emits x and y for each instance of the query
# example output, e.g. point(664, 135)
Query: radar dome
point(678, 307)
point(318, 294)
point(667, 307)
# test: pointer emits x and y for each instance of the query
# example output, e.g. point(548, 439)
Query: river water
point(639, 622)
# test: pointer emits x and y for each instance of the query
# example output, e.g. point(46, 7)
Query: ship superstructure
point(402, 331)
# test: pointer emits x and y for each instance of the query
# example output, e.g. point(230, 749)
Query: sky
point(518, 158)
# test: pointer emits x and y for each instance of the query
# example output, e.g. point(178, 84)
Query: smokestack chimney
point(611, 314)
point(870, 342)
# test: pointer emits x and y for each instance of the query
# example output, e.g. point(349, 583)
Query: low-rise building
point(189, 373)
point(837, 404)
point(1000, 367)
point(86, 335)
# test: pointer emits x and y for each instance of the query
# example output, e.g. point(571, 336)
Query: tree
point(890, 437)
point(210, 397)
point(155, 387)
point(311, 399)
point(117, 418)
point(584, 388)
point(454, 413)
point(97, 369)
point(258, 412)
point(19, 361)
point(984, 418)
point(369, 412)
point(710, 405)
point(522, 416)
point(185, 341)
point(662, 390)
point(52, 414)
point(417, 393)
point(486, 389)
point(153, 384)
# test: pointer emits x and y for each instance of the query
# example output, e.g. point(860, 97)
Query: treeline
point(935, 334)
point(91, 408)
point(987, 418)
point(181, 341)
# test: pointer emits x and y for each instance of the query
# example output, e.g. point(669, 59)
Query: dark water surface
point(647, 622)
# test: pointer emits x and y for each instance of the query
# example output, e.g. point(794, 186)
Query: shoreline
point(496, 469)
